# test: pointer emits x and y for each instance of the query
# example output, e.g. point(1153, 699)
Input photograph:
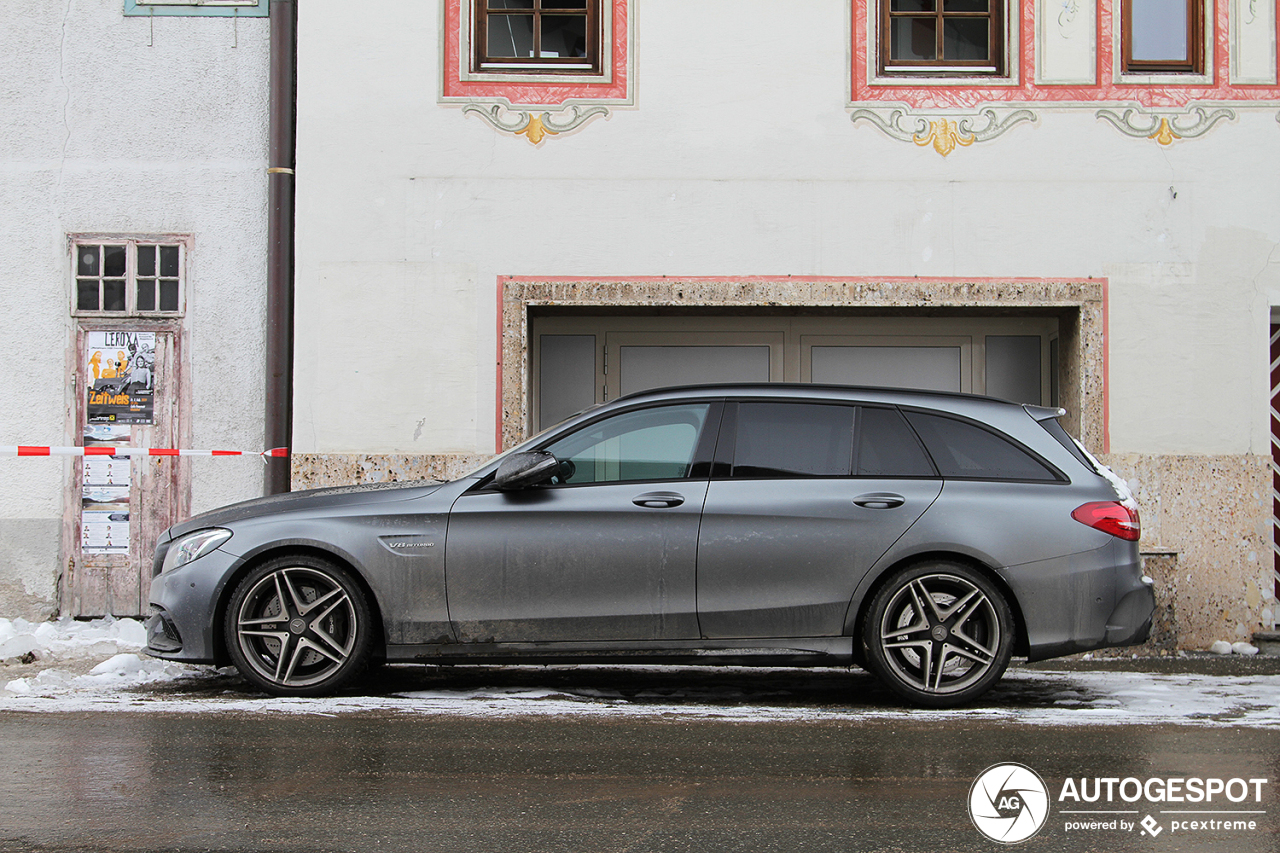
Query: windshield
point(494, 461)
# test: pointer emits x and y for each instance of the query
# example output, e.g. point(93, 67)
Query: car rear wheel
point(938, 634)
point(299, 626)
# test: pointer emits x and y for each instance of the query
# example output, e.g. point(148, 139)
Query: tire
point(938, 634)
point(299, 626)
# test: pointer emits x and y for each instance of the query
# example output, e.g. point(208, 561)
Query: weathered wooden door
point(128, 381)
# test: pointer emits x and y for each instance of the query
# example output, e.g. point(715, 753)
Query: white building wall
point(736, 157)
point(126, 126)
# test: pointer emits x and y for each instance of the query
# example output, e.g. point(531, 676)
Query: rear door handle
point(880, 500)
point(658, 500)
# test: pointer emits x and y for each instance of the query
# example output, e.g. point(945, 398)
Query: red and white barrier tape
point(108, 450)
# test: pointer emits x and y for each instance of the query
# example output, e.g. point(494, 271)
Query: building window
point(941, 36)
point(128, 277)
point(556, 36)
point(1163, 36)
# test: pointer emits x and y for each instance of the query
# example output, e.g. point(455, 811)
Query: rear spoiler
point(1044, 413)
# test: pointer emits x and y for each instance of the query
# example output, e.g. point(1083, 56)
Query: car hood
point(312, 499)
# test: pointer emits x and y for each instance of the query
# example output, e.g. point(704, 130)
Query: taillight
point(1110, 517)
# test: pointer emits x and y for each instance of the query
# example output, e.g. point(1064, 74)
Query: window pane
point(87, 294)
point(168, 295)
point(564, 35)
point(964, 39)
point(113, 295)
point(146, 261)
point(913, 38)
point(88, 264)
point(146, 294)
point(510, 36)
point(564, 4)
point(651, 444)
point(793, 440)
point(113, 261)
point(510, 4)
point(964, 5)
point(888, 448)
point(168, 261)
point(911, 5)
point(961, 449)
point(1159, 29)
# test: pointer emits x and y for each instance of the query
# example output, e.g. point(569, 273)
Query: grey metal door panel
point(600, 562)
point(781, 558)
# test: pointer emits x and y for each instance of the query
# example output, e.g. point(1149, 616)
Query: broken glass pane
point(511, 36)
point(88, 260)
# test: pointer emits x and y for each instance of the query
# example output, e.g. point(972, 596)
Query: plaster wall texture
point(731, 167)
point(758, 172)
point(126, 126)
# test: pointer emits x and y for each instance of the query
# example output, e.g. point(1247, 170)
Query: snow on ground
point(96, 666)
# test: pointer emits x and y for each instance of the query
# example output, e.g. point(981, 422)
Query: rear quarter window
point(966, 450)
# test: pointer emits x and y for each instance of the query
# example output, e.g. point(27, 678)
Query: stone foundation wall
point(1205, 531)
point(1208, 519)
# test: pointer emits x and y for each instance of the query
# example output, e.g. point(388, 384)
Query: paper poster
point(120, 377)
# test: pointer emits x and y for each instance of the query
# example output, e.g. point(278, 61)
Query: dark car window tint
point(961, 449)
point(793, 440)
point(888, 448)
point(648, 444)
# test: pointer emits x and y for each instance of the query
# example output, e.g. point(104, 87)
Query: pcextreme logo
point(1010, 803)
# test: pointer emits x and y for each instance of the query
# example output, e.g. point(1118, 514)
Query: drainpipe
point(280, 181)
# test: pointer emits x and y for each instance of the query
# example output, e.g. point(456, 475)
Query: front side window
point(128, 277)
point(1163, 36)
point(543, 36)
point(965, 36)
point(648, 444)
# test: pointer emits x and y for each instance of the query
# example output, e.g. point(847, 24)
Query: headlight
point(193, 546)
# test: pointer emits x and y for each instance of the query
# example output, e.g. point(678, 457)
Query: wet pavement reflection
point(379, 780)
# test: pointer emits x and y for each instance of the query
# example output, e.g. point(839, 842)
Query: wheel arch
point(222, 656)
point(858, 614)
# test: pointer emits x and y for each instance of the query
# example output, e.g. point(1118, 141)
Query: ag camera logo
point(1008, 803)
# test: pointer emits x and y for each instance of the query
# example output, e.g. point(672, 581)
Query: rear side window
point(888, 448)
point(793, 440)
point(964, 450)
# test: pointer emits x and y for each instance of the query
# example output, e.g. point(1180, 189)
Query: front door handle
point(880, 500)
point(658, 500)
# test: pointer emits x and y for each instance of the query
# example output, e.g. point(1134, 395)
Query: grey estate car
point(928, 537)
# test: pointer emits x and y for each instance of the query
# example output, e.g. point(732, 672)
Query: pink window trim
point(967, 93)
point(522, 91)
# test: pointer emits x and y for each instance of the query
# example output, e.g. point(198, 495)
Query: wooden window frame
point(481, 62)
point(1193, 64)
point(130, 277)
point(993, 66)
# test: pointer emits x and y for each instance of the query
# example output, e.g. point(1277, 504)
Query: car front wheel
point(938, 634)
point(299, 626)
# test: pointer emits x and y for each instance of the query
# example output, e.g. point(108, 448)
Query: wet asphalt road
point(382, 781)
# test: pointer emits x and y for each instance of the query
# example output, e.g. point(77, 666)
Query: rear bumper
point(1082, 602)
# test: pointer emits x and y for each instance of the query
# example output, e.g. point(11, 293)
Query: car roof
point(814, 391)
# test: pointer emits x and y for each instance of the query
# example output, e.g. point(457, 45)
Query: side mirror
point(521, 470)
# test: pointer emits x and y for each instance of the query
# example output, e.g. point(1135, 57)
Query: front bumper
point(184, 610)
